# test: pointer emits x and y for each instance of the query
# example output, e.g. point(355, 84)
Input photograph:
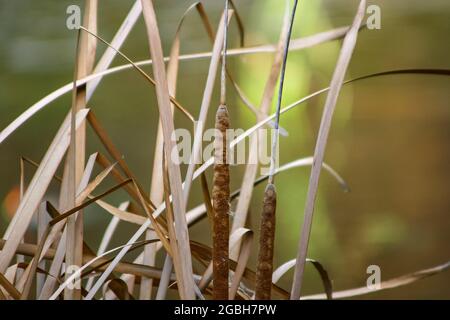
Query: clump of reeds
point(162, 218)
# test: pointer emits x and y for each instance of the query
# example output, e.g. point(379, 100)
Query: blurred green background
point(389, 140)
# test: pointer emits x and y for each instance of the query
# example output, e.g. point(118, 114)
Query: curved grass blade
point(327, 284)
point(330, 104)
point(386, 285)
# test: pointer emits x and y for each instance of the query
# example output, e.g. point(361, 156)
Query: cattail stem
point(266, 245)
point(221, 206)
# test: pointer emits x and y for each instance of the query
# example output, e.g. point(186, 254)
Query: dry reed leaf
point(105, 163)
point(285, 267)
point(119, 38)
point(22, 187)
point(68, 213)
point(166, 134)
point(122, 214)
point(75, 161)
point(36, 190)
point(330, 104)
point(172, 233)
point(207, 202)
point(246, 236)
point(11, 272)
point(65, 205)
point(120, 289)
point(142, 72)
point(27, 278)
point(81, 196)
point(117, 156)
point(165, 278)
point(55, 267)
point(385, 285)
point(160, 231)
point(163, 98)
point(156, 192)
point(107, 236)
point(307, 162)
point(8, 287)
point(42, 221)
point(297, 44)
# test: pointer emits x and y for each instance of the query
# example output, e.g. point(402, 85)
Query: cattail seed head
point(221, 206)
point(266, 245)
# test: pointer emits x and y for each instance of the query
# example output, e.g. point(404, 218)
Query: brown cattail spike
point(266, 245)
point(221, 205)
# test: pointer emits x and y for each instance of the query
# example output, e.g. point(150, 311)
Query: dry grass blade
point(42, 221)
point(165, 278)
point(327, 284)
point(385, 285)
point(85, 58)
point(10, 289)
point(87, 203)
point(56, 230)
point(81, 196)
point(246, 236)
point(207, 201)
point(156, 192)
point(107, 236)
point(206, 100)
point(119, 38)
point(142, 72)
point(307, 162)
point(32, 267)
point(36, 190)
point(163, 98)
point(160, 231)
point(175, 257)
point(330, 104)
point(120, 289)
point(114, 152)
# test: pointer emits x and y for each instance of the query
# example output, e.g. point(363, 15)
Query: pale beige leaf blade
point(330, 104)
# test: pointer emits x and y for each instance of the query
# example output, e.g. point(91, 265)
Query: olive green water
point(389, 140)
